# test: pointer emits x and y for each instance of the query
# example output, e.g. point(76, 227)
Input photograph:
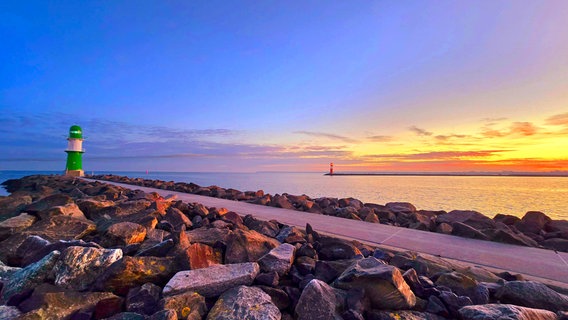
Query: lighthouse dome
point(76, 132)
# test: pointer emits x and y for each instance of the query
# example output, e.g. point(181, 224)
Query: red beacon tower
point(331, 169)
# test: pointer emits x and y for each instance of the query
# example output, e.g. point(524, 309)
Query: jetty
point(547, 266)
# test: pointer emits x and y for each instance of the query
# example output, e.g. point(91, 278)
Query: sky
point(247, 86)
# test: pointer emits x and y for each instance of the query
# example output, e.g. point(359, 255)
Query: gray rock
point(473, 219)
point(187, 305)
point(384, 285)
point(212, 281)
point(164, 315)
point(79, 267)
point(244, 303)
point(279, 259)
point(29, 277)
point(336, 249)
point(400, 207)
point(533, 295)
point(318, 302)
point(558, 244)
point(467, 231)
point(504, 311)
point(464, 285)
point(143, 299)
point(9, 313)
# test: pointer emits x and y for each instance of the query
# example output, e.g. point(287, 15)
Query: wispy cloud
point(380, 138)
point(330, 136)
point(446, 137)
point(558, 119)
point(439, 155)
point(523, 128)
point(420, 131)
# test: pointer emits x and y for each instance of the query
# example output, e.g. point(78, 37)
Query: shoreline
point(437, 174)
point(534, 229)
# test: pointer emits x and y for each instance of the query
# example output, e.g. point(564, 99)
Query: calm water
point(488, 195)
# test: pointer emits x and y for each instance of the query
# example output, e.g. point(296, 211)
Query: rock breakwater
point(534, 229)
point(73, 249)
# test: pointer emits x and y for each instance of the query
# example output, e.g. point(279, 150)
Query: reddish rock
point(108, 307)
point(48, 202)
point(400, 207)
point(248, 246)
point(70, 209)
point(198, 256)
point(15, 224)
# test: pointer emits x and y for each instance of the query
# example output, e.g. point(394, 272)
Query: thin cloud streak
point(420, 131)
point(326, 135)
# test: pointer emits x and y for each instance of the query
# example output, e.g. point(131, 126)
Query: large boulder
point(329, 248)
point(464, 285)
point(279, 259)
point(58, 199)
point(212, 281)
point(34, 248)
point(13, 205)
point(69, 209)
point(208, 236)
point(267, 228)
point(130, 272)
point(198, 255)
point(533, 222)
point(143, 299)
point(504, 311)
point(533, 295)
point(15, 224)
point(248, 246)
point(558, 244)
point(244, 302)
point(177, 218)
point(464, 230)
point(49, 303)
point(318, 301)
point(187, 305)
point(61, 228)
point(383, 284)
point(400, 207)
point(79, 267)
point(473, 219)
point(26, 279)
point(123, 234)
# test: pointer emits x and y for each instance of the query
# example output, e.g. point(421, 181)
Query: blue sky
point(285, 85)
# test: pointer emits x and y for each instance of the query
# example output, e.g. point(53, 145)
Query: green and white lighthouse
point(74, 166)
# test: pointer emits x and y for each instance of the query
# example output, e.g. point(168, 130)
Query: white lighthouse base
point(74, 173)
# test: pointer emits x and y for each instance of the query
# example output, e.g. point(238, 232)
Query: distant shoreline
point(457, 174)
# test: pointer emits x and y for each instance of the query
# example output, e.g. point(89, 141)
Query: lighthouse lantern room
point(74, 166)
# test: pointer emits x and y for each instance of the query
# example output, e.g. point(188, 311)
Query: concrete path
point(544, 265)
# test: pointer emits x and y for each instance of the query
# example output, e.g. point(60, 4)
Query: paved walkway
point(544, 265)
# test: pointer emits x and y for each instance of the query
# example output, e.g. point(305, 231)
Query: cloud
point(420, 131)
point(442, 137)
point(523, 128)
point(380, 138)
point(327, 135)
point(438, 155)
point(558, 120)
point(515, 129)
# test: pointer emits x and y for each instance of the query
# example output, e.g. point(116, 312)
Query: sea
point(489, 195)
